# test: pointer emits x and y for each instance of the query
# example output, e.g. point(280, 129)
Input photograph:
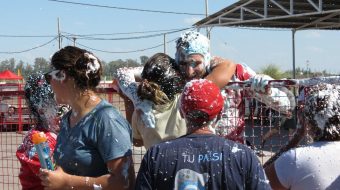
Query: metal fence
point(266, 130)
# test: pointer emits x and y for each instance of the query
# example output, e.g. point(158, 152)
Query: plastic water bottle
point(40, 143)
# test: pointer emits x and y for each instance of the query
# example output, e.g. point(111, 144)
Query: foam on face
point(193, 43)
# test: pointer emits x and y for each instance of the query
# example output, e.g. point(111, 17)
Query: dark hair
point(77, 63)
point(39, 94)
point(322, 110)
point(11, 107)
point(160, 77)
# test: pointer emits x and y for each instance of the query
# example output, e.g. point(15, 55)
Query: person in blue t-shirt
point(93, 149)
point(200, 159)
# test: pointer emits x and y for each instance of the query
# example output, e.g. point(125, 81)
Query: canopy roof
point(8, 75)
point(289, 14)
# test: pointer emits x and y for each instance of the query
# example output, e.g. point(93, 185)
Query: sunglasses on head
point(54, 74)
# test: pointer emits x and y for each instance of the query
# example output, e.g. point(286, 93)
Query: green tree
point(273, 71)
point(27, 71)
point(132, 63)
point(143, 59)
point(110, 68)
point(40, 64)
point(8, 64)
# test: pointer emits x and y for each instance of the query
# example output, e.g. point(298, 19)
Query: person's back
point(316, 165)
point(311, 167)
point(168, 124)
point(200, 159)
point(156, 117)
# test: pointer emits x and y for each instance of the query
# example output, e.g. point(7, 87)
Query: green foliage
point(273, 71)
point(110, 68)
point(7, 64)
point(143, 59)
point(41, 64)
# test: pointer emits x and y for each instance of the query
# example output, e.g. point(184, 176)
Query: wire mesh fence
point(266, 130)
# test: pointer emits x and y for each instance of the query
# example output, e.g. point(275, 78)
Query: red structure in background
point(14, 116)
point(11, 105)
point(8, 75)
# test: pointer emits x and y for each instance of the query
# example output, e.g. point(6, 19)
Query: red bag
point(29, 161)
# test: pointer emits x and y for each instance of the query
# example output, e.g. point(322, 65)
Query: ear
point(63, 77)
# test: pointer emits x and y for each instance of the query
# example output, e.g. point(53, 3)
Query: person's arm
point(293, 143)
point(127, 84)
point(126, 78)
point(283, 173)
point(138, 142)
point(121, 176)
point(135, 123)
point(221, 71)
point(273, 179)
point(279, 99)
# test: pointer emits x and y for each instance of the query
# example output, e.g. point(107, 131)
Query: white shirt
point(316, 166)
point(168, 124)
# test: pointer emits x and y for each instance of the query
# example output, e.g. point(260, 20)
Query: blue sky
point(319, 50)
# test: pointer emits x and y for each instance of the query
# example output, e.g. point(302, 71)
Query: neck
point(201, 130)
point(84, 103)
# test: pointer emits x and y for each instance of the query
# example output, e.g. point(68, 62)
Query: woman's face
point(11, 110)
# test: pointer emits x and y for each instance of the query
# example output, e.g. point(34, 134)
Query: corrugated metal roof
point(289, 14)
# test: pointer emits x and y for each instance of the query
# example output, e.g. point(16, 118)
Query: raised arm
point(126, 78)
point(293, 143)
point(221, 71)
point(273, 178)
point(128, 85)
point(279, 99)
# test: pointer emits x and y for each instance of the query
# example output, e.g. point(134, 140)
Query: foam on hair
point(160, 74)
point(322, 109)
point(83, 66)
point(193, 43)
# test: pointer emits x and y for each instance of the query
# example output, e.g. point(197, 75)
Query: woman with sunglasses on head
point(93, 148)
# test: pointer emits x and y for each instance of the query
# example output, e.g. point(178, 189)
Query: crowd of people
point(186, 116)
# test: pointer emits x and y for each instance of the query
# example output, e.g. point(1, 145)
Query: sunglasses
point(54, 74)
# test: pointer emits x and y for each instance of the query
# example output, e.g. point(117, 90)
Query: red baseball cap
point(201, 95)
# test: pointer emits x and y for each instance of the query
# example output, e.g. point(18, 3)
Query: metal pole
point(206, 15)
point(164, 41)
point(307, 69)
point(59, 35)
point(293, 47)
point(74, 41)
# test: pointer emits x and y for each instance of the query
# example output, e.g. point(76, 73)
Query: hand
point(53, 180)
point(259, 84)
point(115, 85)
